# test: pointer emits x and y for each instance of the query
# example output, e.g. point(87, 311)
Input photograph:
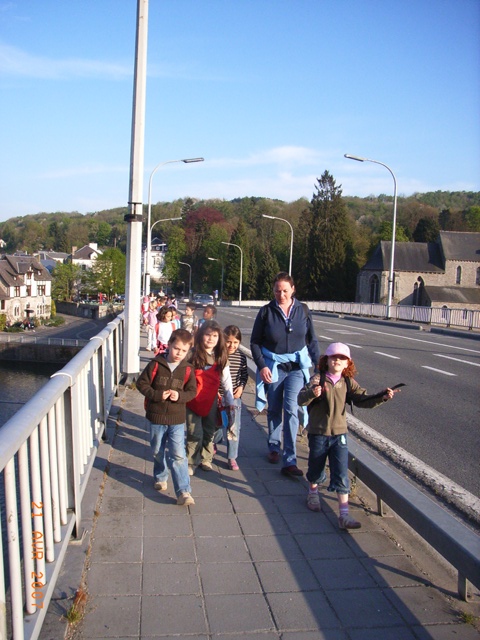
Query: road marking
point(387, 355)
point(396, 335)
point(356, 346)
point(440, 355)
point(445, 373)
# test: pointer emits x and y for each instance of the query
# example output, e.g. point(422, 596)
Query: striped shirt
point(238, 369)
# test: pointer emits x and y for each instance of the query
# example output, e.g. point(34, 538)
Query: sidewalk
point(248, 561)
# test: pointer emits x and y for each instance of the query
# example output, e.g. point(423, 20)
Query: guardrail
point(20, 338)
point(47, 450)
point(442, 317)
point(453, 540)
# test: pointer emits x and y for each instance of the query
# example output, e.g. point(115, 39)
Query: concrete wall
point(45, 353)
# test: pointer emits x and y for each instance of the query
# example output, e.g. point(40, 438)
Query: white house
point(25, 288)
point(86, 256)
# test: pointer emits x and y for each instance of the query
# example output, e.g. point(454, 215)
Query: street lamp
point(241, 269)
point(221, 282)
point(264, 215)
point(149, 212)
point(394, 226)
point(146, 266)
point(189, 280)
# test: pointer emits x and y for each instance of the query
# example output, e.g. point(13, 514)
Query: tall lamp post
point(264, 215)
point(394, 226)
point(146, 266)
point(221, 281)
point(241, 269)
point(149, 212)
point(189, 280)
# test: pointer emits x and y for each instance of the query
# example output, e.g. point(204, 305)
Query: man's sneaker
point(232, 464)
point(191, 470)
point(291, 471)
point(185, 499)
point(206, 466)
point(273, 457)
point(160, 486)
point(347, 522)
point(313, 502)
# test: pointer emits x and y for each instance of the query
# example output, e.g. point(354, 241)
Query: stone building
point(25, 288)
point(445, 273)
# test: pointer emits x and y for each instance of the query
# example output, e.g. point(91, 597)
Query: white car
point(202, 299)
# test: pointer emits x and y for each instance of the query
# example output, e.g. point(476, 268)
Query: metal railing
point(47, 450)
point(439, 316)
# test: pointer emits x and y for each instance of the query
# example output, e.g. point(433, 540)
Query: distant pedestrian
point(189, 320)
point(168, 383)
point(209, 313)
point(163, 329)
point(325, 397)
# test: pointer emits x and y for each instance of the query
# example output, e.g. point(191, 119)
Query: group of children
point(185, 386)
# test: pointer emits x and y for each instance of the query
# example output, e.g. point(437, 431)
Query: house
point(25, 288)
point(86, 256)
point(50, 259)
point(158, 249)
point(444, 273)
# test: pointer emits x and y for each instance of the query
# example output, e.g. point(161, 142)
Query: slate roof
point(458, 295)
point(14, 268)
point(461, 246)
point(85, 253)
point(418, 257)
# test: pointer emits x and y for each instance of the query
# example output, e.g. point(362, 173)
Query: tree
point(107, 274)
point(66, 281)
point(427, 230)
point(472, 218)
point(328, 246)
point(176, 248)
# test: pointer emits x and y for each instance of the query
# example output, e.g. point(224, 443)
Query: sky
point(270, 92)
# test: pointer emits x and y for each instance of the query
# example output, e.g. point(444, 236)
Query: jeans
point(334, 448)
point(282, 399)
point(222, 433)
point(174, 436)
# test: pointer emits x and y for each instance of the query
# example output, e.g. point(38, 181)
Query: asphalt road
point(436, 417)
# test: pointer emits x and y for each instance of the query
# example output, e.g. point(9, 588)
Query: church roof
point(449, 295)
point(424, 257)
point(460, 245)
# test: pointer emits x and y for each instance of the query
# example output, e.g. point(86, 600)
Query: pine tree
point(328, 245)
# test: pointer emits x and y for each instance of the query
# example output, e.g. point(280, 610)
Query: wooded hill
point(332, 233)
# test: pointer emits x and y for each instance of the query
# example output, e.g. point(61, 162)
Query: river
point(19, 381)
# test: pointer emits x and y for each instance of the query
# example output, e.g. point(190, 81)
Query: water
point(19, 381)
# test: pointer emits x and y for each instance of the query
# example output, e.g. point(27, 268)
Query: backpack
point(154, 373)
point(348, 382)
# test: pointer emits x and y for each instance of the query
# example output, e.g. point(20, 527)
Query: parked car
point(202, 299)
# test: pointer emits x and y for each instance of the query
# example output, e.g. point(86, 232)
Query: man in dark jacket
point(168, 383)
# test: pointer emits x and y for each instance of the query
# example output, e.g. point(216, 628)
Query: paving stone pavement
point(247, 562)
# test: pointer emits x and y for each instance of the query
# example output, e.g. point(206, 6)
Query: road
point(436, 417)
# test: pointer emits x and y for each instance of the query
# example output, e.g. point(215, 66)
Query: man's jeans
point(172, 435)
point(282, 399)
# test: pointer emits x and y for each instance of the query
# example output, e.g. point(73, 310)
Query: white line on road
point(356, 346)
point(474, 364)
point(387, 355)
point(396, 335)
point(445, 373)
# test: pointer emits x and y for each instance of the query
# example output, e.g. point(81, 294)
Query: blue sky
point(270, 92)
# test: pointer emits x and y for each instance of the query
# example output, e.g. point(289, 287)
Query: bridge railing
point(47, 450)
point(440, 316)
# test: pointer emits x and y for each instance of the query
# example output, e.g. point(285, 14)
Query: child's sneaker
point(347, 522)
point(313, 502)
point(185, 499)
point(160, 486)
point(191, 470)
point(232, 464)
